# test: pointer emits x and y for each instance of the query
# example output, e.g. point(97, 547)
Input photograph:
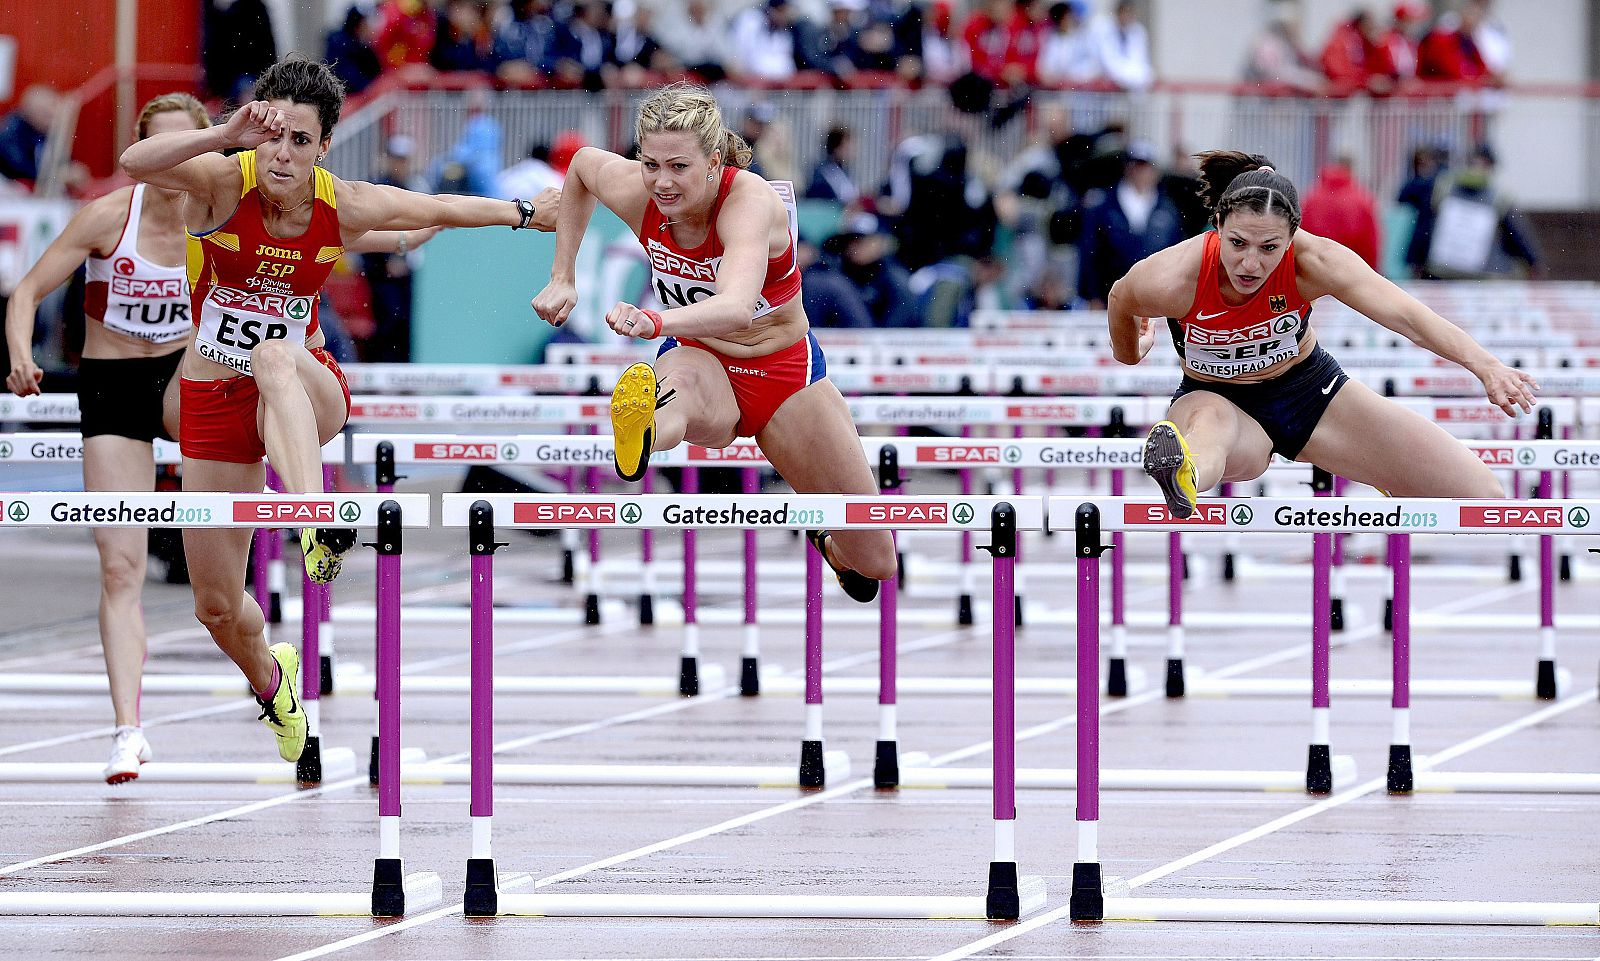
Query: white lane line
point(1339, 800)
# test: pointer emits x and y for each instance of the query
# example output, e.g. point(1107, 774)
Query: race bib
point(233, 322)
point(153, 310)
point(1240, 351)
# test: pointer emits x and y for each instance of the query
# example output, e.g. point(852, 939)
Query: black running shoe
point(857, 585)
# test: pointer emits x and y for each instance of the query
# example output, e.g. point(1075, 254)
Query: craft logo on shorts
point(1514, 516)
point(959, 454)
point(577, 513)
point(457, 451)
point(734, 452)
point(1241, 515)
point(349, 512)
point(1500, 456)
point(631, 513)
point(123, 266)
point(1277, 303)
point(284, 513)
point(1578, 517)
point(18, 511)
point(1205, 515)
point(893, 511)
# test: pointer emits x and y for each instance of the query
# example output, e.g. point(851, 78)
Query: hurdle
point(1321, 517)
point(1008, 894)
point(392, 892)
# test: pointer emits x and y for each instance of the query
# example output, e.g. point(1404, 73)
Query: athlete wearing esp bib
point(1256, 382)
point(738, 357)
point(266, 227)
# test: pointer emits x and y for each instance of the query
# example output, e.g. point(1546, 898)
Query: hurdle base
point(647, 610)
point(836, 765)
point(1175, 683)
point(1336, 614)
point(1385, 911)
point(813, 772)
point(917, 774)
point(388, 888)
point(1401, 780)
point(591, 609)
point(886, 766)
point(1544, 684)
point(482, 897)
point(909, 907)
point(337, 762)
point(749, 677)
point(963, 610)
point(1319, 770)
point(1117, 677)
point(688, 676)
point(1003, 901)
point(421, 890)
point(1088, 902)
point(325, 679)
point(308, 768)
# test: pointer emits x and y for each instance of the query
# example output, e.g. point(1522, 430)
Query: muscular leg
point(702, 409)
point(217, 559)
point(1377, 442)
point(301, 408)
point(112, 463)
point(813, 444)
point(1225, 442)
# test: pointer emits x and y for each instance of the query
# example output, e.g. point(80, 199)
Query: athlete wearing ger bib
point(1255, 382)
point(682, 276)
point(250, 286)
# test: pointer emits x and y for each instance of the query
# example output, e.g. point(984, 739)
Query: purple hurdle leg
point(591, 598)
point(1004, 898)
point(1117, 666)
point(1230, 540)
point(483, 888)
point(812, 771)
point(1319, 767)
point(750, 655)
point(1400, 775)
point(260, 562)
point(964, 559)
point(1566, 492)
point(325, 611)
point(308, 770)
point(1175, 682)
point(886, 764)
point(1020, 575)
point(647, 554)
point(689, 658)
point(1088, 898)
point(1336, 587)
point(1545, 680)
point(388, 889)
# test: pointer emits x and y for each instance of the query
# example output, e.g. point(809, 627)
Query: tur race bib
point(233, 322)
point(154, 310)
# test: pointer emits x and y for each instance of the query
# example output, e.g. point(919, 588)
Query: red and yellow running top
point(249, 286)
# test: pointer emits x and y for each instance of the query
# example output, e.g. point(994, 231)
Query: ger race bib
point(233, 322)
point(1238, 351)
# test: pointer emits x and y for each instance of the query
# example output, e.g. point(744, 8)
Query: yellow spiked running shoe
point(324, 548)
point(282, 712)
point(633, 419)
point(1168, 462)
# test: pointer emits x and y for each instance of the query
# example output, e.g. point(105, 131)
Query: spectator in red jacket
point(1405, 30)
point(1356, 59)
point(1003, 38)
point(405, 32)
point(1453, 50)
point(1338, 208)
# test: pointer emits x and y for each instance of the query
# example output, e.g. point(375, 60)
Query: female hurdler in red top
point(1255, 381)
point(738, 358)
point(266, 226)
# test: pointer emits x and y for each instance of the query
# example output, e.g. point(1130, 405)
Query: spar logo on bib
point(1205, 515)
point(1514, 516)
point(575, 513)
point(897, 511)
point(298, 308)
point(284, 513)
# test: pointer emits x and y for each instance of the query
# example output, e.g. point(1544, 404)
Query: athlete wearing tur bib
point(738, 358)
point(266, 227)
point(1255, 381)
point(136, 302)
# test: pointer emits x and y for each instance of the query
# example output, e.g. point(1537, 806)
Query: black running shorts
point(1288, 406)
point(122, 397)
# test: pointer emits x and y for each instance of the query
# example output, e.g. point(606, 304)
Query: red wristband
point(655, 318)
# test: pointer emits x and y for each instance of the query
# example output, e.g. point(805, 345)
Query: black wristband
point(526, 209)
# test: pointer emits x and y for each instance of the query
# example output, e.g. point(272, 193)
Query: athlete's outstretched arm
point(1330, 268)
point(364, 207)
point(1154, 287)
point(391, 241)
point(594, 175)
point(93, 228)
point(189, 160)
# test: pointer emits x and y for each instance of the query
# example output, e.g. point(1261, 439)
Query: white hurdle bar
point(1398, 517)
point(1008, 894)
point(392, 892)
